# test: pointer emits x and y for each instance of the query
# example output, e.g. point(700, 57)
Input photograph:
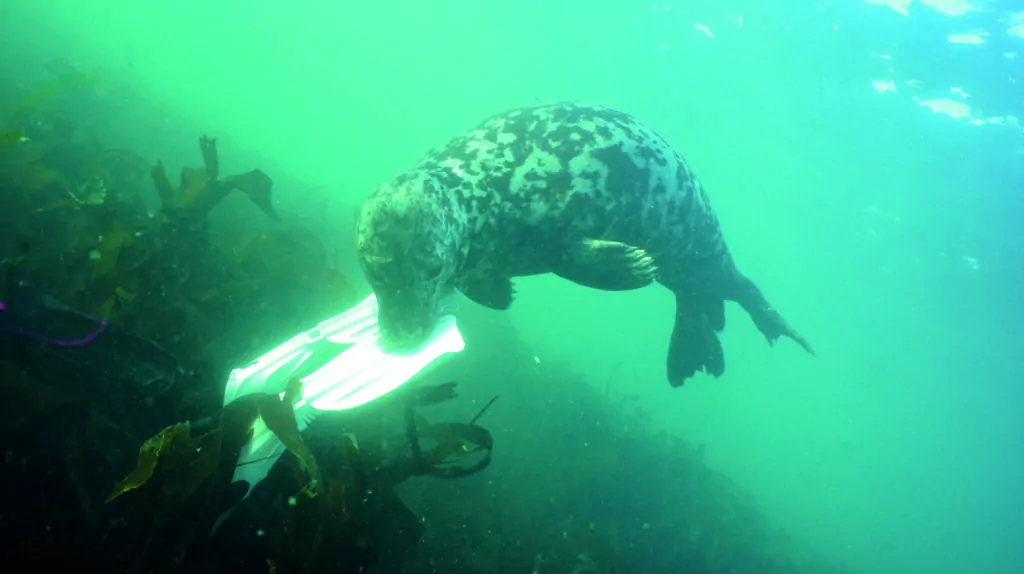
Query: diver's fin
point(607, 265)
point(305, 352)
point(366, 371)
point(341, 365)
point(491, 292)
point(768, 320)
point(694, 345)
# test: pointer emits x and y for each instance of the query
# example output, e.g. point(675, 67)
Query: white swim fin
point(341, 365)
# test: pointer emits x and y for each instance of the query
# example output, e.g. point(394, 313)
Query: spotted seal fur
point(583, 191)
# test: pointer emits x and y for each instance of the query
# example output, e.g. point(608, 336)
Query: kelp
point(159, 500)
point(42, 151)
point(149, 456)
point(87, 209)
point(201, 189)
point(101, 491)
point(299, 530)
point(159, 517)
point(180, 484)
point(279, 416)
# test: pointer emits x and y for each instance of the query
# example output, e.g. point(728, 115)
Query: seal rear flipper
point(694, 345)
point(492, 292)
point(607, 265)
point(771, 324)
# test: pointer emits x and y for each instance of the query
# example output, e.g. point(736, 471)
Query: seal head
point(409, 252)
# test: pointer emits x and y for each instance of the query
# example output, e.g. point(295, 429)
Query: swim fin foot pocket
point(607, 265)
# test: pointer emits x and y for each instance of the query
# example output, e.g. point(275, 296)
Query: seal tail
point(694, 345)
point(771, 324)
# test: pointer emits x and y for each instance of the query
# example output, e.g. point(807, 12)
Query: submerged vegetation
point(77, 220)
point(120, 474)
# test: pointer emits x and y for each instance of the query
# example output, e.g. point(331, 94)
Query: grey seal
point(582, 191)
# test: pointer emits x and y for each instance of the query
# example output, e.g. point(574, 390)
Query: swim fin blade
point(341, 365)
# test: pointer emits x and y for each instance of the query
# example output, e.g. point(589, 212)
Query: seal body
point(582, 191)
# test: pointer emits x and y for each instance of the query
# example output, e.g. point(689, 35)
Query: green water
point(898, 448)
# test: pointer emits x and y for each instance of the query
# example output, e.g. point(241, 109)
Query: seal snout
point(404, 329)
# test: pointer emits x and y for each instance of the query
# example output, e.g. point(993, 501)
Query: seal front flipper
point(493, 292)
point(607, 265)
point(694, 345)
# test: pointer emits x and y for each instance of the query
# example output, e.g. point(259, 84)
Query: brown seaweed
point(149, 456)
point(279, 417)
point(200, 189)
